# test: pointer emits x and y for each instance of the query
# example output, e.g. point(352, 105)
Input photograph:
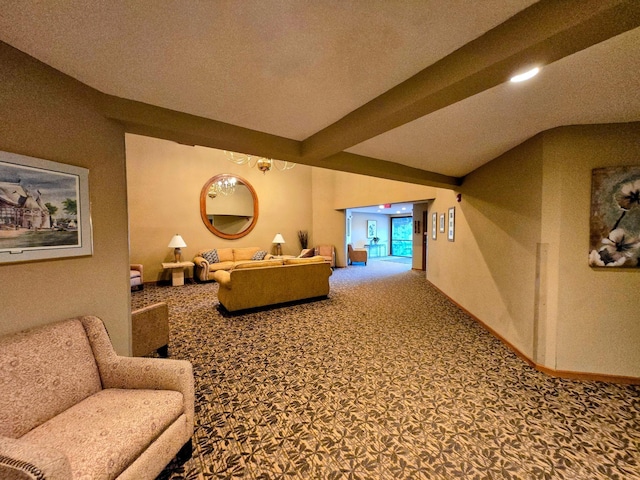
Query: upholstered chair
point(150, 330)
point(136, 276)
point(358, 255)
point(328, 252)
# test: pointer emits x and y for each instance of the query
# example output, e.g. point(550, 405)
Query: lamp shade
point(278, 239)
point(177, 242)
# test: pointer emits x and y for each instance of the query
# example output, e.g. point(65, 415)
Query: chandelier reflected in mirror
point(225, 186)
point(263, 164)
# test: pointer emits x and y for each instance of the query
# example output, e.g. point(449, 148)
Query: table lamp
point(177, 243)
point(278, 240)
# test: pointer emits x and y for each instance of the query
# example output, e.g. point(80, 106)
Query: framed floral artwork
point(372, 230)
point(615, 217)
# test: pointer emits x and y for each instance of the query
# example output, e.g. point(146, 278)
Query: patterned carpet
point(386, 379)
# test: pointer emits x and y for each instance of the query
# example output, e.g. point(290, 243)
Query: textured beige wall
point(519, 260)
point(490, 267)
point(164, 182)
point(597, 325)
point(47, 115)
point(354, 190)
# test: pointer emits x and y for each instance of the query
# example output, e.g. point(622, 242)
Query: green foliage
point(52, 208)
point(70, 206)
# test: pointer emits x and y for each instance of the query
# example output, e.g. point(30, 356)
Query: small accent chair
point(356, 255)
point(150, 330)
point(328, 252)
point(136, 276)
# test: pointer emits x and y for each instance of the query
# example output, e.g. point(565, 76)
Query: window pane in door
point(402, 236)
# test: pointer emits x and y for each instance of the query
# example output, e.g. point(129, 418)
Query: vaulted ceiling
point(413, 90)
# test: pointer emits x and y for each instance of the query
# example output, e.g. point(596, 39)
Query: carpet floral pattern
point(385, 379)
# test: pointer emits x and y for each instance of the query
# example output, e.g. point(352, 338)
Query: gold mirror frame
point(203, 206)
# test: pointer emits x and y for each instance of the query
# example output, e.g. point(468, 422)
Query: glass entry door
point(402, 236)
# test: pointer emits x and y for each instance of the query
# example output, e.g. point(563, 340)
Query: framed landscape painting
point(614, 239)
point(44, 209)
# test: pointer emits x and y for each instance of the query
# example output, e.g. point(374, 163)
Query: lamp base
point(177, 253)
point(278, 249)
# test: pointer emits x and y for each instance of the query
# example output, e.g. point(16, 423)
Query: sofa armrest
point(22, 459)
point(152, 374)
point(202, 268)
point(144, 373)
point(223, 278)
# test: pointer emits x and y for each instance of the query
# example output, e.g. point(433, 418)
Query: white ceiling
point(392, 209)
point(291, 67)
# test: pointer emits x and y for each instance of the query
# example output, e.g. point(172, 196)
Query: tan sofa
point(228, 258)
point(252, 285)
point(72, 409)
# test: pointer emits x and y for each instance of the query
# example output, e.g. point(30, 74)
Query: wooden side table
point(177, 271)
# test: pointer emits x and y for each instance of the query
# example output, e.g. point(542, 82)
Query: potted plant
point(303, 238)
point(375, 240)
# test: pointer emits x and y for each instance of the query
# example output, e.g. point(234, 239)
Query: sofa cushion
point(306, 253)
point(295, 261)
point(45, 371)
point(225, 254)
point(245, 253)
point(221, 266)
point(259, 255)
point(211, 256)
point(134, 274)
point(256, 264)
point(105, 433)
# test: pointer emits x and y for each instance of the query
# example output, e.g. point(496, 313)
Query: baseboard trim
point(570, 375)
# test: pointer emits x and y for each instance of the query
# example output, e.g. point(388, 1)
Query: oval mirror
point(228, 206)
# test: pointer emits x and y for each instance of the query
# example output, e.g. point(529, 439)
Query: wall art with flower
point(615, 217)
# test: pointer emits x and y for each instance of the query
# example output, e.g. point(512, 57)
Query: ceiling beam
point(157, 122)
point(541, 34)
point(373, 167)
point(150, 120)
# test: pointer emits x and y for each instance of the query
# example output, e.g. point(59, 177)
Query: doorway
point(402, 236)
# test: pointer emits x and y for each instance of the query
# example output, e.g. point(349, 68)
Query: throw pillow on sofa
point(259, 255)
point(211, 256)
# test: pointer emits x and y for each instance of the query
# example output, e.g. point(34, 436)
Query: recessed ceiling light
point(526, 75)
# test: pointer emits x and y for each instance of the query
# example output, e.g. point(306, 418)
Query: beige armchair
point(328, 252)
point(150, 330)
point(356, 255)
point(135, 273)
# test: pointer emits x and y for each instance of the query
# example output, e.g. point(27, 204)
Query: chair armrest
point(22, 459)
point(137, 266)
point(223, 278)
